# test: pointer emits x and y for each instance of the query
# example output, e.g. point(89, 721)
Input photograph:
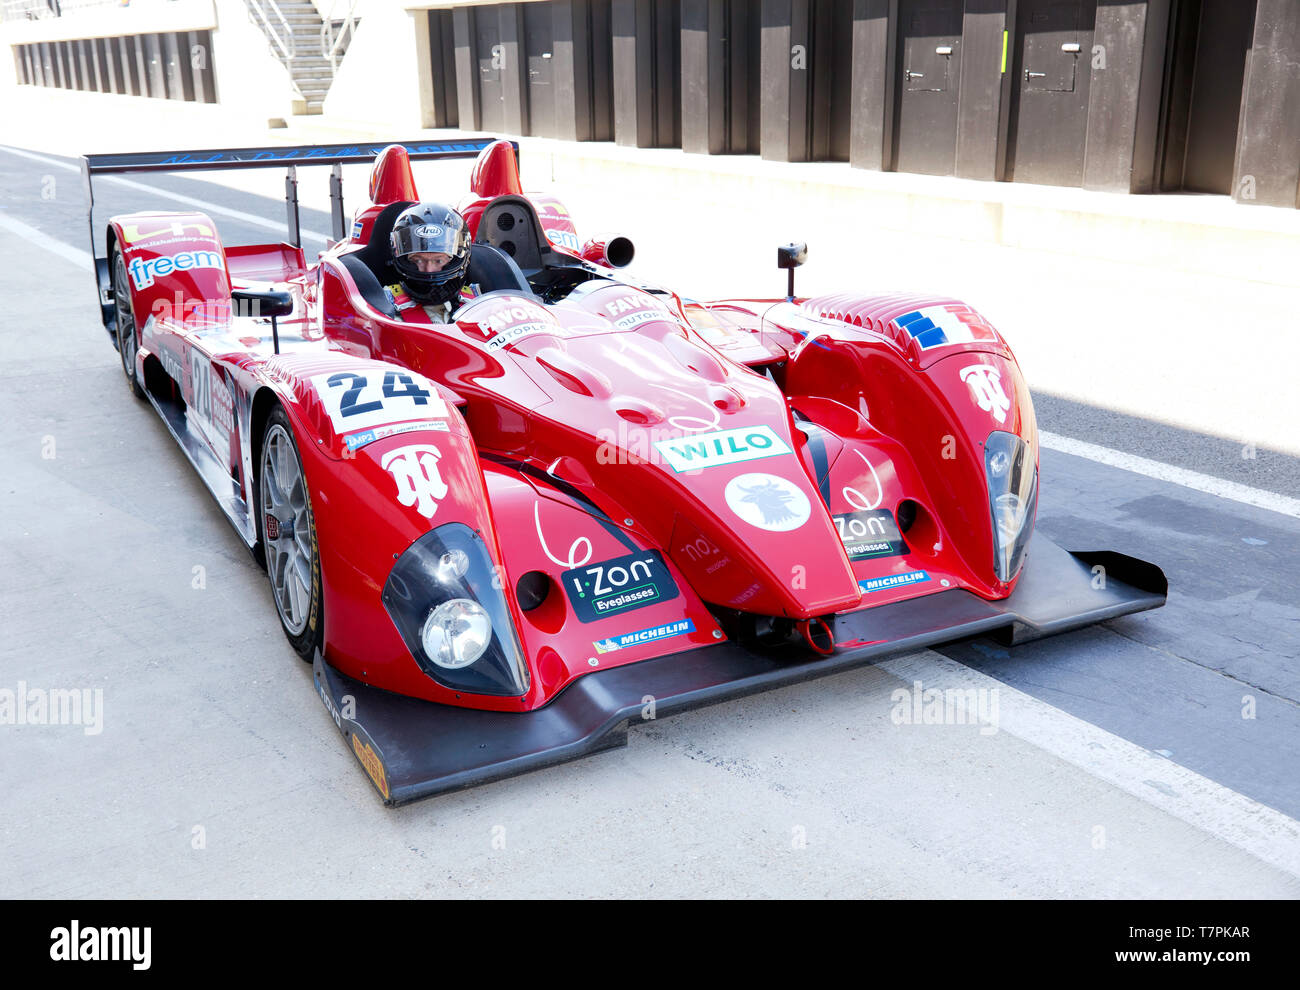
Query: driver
point(431, 254)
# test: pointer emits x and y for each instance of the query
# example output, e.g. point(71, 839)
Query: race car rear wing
point(288, 157)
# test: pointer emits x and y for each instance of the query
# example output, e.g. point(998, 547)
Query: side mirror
point(791, 256)
point(261, 302)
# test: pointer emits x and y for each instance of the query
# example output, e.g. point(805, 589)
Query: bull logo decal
point(768, 502)
point(415, 469)
point(771, 500)
point(985, 383)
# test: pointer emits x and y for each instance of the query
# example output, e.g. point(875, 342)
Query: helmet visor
point(430, 238)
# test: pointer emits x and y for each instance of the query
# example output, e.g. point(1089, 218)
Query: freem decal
point(144, 270)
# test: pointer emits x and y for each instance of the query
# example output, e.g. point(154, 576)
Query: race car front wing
point(413, 749)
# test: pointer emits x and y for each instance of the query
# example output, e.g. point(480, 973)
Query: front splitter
point(413, 749)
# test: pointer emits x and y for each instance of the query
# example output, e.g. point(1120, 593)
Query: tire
point(286, 526)
point(127, 336)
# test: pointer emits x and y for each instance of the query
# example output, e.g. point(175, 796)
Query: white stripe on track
point(33, 236)
point(192, 202)
point(1207, 483)
point(1257, 829)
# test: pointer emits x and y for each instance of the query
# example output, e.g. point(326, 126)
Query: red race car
point(582, 499)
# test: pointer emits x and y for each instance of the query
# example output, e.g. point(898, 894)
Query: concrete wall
point(386, 75)
point(249, 77)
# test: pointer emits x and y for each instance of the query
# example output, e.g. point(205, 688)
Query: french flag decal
point(936, 326)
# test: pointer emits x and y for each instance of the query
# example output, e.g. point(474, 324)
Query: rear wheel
point(288, 531)
point(126, 331)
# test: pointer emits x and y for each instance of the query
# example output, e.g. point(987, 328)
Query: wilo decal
point(768, 502)
point(747, 443)
point(985, 383)
point(359, 399)
point(415, 469)
point(620, 585)
point(144, 270)
point(868, 534)
point(624, 640)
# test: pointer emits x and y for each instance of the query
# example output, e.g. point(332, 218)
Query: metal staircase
point(305, 43)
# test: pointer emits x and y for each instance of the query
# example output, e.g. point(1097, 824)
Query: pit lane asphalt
point(217, 728)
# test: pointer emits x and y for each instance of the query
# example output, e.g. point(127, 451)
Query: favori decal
point(633, 309)
point(768, 502)
point(415, 469)
point(986, 387)
point(619, 585)
point(666, 631)
point(747, 443)
point(510, 320)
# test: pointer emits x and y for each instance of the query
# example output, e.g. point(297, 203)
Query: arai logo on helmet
point(428, 230)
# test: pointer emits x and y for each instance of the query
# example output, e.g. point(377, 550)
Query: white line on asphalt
point(31, 235)
point(1167, 472)
point(198, 204)
point(1234, 818)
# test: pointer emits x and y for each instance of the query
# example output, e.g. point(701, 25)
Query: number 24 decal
point(391, 390)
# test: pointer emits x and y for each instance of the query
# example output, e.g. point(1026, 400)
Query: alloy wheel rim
point(125, 319)
point(286, 530)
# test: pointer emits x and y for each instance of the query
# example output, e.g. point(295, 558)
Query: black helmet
point(435, 229)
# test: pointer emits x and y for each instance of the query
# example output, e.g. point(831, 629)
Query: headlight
point(456, 633)
point(444, 598)
point(1013, 498)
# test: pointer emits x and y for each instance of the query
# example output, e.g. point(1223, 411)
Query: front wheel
point(288, 531)
point(126, 332)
